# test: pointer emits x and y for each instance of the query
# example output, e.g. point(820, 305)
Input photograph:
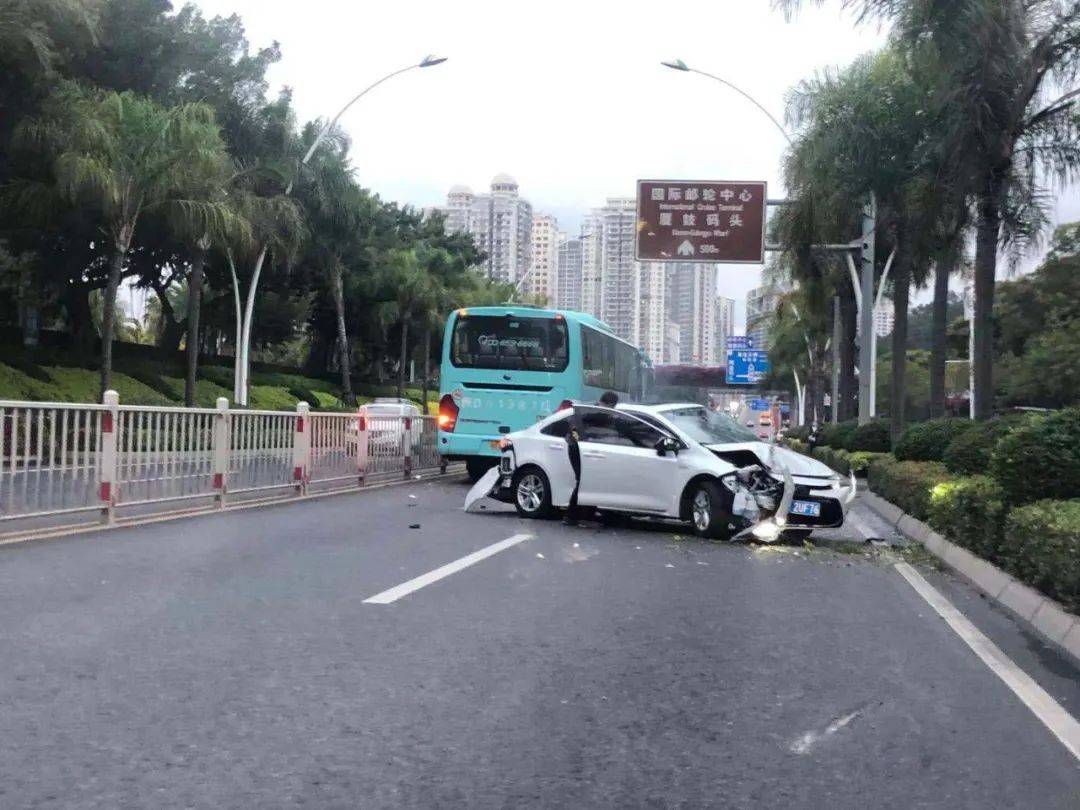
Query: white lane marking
point(1052, 715)
point(422, 581)
point(812, 738)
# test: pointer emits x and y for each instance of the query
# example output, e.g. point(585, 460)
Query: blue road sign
point(785, 409)
point(759, 404)
point(739, 342)
point(747, 366)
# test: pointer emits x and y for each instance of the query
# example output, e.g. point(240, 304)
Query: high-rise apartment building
point(725, 326)
point(544, 254)
point(760, 304)
point(500, 222)
point(652, 310)
point(692, 304)
point(567, 287)
point(619, 273)
point(592, 252)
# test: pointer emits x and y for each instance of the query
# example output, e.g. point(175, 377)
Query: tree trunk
point(108, 318)
point(195, 286)
point(427, 367)
point(337, 282)
point(898, 382)
point(986, 245)
point(80, 321)
point(849, 387)
point(938, 337)
point(168, 340)
point(403, 358)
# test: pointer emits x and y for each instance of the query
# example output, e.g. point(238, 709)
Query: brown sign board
point(701, 221)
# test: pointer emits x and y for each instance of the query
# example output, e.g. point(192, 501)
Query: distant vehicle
point(385, 421)
point(681, 462)
point(506, 368)
point(765, 420)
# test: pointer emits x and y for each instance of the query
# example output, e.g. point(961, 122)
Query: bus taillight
point(448, 413)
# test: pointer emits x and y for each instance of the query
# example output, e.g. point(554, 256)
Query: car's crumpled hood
point(775, 458)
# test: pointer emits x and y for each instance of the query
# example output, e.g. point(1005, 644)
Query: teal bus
point(505, 368)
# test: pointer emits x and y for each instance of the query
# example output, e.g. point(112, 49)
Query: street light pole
point(243, 351)
point(680, 65)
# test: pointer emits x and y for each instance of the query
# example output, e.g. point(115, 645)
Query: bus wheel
point(532, 493)
point(476, 467)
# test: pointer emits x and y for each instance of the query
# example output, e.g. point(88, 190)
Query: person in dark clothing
point(609, 399)
point(574, 452)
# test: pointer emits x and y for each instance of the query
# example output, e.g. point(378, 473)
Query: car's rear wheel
point(710, 511)
point(476, 467)
point(532, 493)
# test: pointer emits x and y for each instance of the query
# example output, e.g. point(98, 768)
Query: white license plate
point(806, 508)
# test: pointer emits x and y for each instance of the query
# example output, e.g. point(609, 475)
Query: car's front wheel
point(532, 493)
point(710, 511)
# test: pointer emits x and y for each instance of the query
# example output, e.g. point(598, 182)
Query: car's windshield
point(708, 427)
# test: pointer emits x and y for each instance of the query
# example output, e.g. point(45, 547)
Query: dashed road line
point(422, 581)
point(1051, 713)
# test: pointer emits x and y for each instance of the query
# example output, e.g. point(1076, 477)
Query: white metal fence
point(61, 458)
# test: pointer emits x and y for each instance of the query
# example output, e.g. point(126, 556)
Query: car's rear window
point(490, 341)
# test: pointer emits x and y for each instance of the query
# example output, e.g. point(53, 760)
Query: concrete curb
point(1043, 615)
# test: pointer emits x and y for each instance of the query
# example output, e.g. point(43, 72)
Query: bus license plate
point(806, 508)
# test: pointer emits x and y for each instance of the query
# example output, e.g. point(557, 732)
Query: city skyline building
point(567, 287)
point(725, 326)
point(544, 258)
point(501, 224)
point(691, 303)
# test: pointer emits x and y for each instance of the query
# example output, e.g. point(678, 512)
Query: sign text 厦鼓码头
point(701, 221)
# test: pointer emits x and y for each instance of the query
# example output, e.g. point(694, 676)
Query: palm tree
point(860, 132)
point(27, 30)
point(1005, 125)
point(126, 156)
point(338, 211)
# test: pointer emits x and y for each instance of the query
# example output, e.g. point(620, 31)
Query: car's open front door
point(620, 465)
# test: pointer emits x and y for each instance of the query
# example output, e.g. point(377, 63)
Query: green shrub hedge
point(1043, 549)
point(1040, 459)
point(800, 433)
point(836, 436)
point(926, 441)
point(971, 512)
point(969, 453)
point(860, 461)
point(873, 437)
point(837, 459)
point(908, 484)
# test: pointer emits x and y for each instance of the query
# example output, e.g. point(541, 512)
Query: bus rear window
point(488, 341)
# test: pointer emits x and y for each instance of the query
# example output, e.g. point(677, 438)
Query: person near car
point(814, 437)
point(609, 399)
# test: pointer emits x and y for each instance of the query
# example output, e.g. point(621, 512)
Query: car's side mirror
point(667, 445)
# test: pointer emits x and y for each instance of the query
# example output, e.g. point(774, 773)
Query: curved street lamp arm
point(333, 122)
point(748, 97)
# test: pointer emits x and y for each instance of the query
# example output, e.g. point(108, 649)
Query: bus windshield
point(492, 341)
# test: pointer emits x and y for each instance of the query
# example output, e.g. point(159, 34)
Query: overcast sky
point(568, 97)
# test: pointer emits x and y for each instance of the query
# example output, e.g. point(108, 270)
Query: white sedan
point(680, 462)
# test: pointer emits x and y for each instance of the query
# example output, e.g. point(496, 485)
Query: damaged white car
point(678, 462)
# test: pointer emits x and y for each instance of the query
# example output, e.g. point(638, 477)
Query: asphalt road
point(231, 661)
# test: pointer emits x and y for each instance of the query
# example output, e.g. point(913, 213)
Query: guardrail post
point(222, 441)
point(302, 447)
point(361, 447)
point(107, 474)
point(406, 446)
